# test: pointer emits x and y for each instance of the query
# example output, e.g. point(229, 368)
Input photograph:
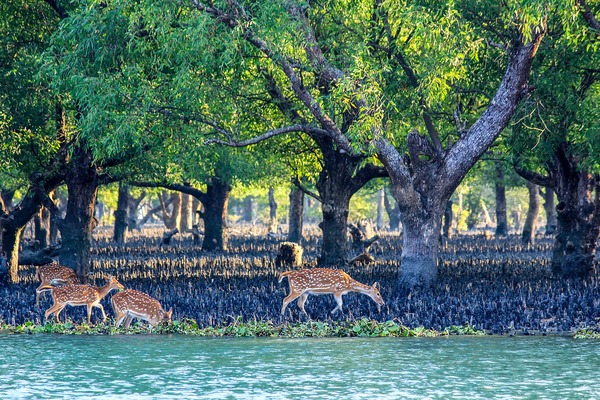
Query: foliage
point(588, 333)
point(253, 328)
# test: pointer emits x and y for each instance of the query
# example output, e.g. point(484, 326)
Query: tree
point(31, 123)
point(562, 154)
point(421, 199)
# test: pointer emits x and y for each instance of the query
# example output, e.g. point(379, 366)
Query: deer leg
point(56, 308)
point(291, 297)
point(128, 319)
point(37, 296)
point(339, 301)
point(301, 302)
point(119, 319)
point(89, 313)
point(101, 309)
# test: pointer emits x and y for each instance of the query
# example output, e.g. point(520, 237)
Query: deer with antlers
point(81, 295)
point(325, 281)
point(53, 275)
point(130, 304)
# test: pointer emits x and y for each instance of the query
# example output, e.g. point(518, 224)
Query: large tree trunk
point(215, 203)
point(421, 235)
point(334, 248)
point(578, 225)
point(295, 215)
point(76, 227)
point(550, 210)
point(501, 216)
point(120, 231)
point(341, 177)
point(528, 235)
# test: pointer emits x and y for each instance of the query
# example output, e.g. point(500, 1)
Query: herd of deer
point(127, 304)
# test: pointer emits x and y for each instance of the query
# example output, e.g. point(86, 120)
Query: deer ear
point(376, 285)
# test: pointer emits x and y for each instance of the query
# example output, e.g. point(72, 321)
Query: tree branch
point(305, 190)
point(480, 136)
point(298, 87)
point(183, 188)
point(589, 16)
point(269, 134)
point(533, 177)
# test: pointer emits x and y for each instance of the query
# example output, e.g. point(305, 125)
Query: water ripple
point(180, 367)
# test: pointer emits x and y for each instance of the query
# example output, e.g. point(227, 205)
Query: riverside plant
point(254, 328)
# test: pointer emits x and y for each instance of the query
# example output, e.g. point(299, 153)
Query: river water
point(185, 367)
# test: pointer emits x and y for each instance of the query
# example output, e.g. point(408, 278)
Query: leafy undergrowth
point(254, 328)
point(588, 333)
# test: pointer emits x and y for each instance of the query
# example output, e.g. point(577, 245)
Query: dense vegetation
point(497, 286)
point(167, 108)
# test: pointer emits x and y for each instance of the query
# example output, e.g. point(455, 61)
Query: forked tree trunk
point(296, 215)
point(424, 182)
point(528, 235)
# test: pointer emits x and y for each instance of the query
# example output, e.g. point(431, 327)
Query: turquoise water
point(184, 367)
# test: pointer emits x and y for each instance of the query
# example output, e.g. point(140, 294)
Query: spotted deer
point(130, 304)
point(81, 295)
point(325, 281)
point(53, 275)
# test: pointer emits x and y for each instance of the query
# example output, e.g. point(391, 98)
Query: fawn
point(323, 281)
point(53, 275)
point(130, 304)
point(81, 295)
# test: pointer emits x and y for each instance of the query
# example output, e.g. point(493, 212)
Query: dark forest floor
point(499, 286)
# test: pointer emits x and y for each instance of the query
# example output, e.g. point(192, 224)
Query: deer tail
point(284, 274)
